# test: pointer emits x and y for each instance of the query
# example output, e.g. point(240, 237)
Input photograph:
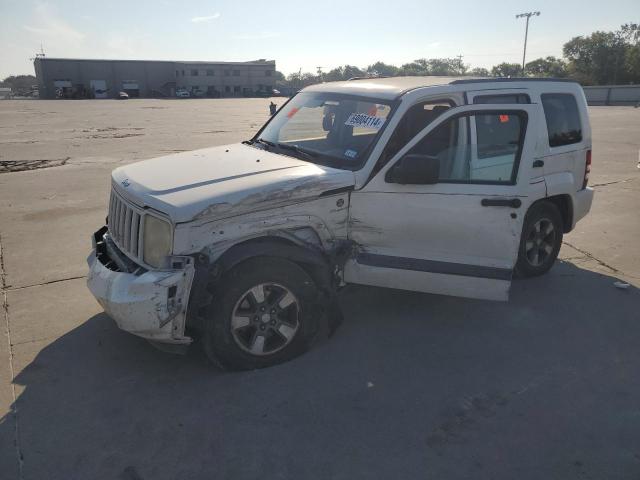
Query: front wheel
point(265, 313)
point(541, 240)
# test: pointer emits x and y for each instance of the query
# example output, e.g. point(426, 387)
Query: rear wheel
point(541, 240)
point(265, 313)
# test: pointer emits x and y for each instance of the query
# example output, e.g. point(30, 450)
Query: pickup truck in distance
point(431, 184)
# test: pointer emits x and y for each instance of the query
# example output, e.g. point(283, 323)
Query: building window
point(236, 73)
point(267, 73)
point(227, 73)
point(236, 89)
point(209, 72)
point(227, 89)
point(194, 72)
point(183, 73)
point(177, 73)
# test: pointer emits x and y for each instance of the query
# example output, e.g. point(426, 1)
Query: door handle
point(501, 202)
point(538, 163)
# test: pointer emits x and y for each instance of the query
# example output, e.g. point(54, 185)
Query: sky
point(298, 34)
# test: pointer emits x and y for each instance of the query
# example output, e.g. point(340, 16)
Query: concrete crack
point(587, 254)
point(611, 183)
point(14, 406)
point(600, 262)
point(49, 282)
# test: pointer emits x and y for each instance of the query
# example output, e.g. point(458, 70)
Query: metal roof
point(185, 62)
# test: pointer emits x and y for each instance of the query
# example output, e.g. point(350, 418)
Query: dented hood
point(225, 181)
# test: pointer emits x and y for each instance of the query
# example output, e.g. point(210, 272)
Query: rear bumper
point(149, 304)
point(582, 201)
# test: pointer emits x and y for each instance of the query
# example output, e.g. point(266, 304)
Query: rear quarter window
point(563, 119)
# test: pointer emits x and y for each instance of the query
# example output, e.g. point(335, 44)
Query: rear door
point(459, 236)
point(565, 145)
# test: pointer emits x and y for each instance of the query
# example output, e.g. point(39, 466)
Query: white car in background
point(431, 184)
point(183, 94)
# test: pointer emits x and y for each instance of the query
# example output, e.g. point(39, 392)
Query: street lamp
point(527, 15)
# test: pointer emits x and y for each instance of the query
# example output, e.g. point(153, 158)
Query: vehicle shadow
point(411, 386)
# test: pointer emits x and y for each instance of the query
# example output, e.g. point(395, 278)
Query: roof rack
point(367, 78)
point(515, 79)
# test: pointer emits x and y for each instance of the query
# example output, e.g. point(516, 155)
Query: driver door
point(458, 234)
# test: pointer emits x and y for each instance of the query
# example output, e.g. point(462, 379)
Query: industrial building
point(87, 78)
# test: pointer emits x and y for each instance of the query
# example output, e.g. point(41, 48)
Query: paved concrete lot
point(411, 386)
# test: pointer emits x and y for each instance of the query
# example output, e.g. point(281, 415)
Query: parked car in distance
point(443, 185)
point(183, 94)
point(123, 96)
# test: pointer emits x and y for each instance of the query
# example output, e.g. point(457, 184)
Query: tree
point(546, 67)
point(417, 67)
point(598, 59)
point(446, 66)
point(279, 76)
point(479, 72)
point(300, 80)
point(334, 75)
point(380, 69)
point(349, 71)
point(506, 70)
point(343, 73)
point(434, 66)
point(20, 83)
point(631, 34)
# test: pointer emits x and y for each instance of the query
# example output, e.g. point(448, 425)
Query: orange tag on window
point(504, 118)
point(373, 111)
point(292, 112)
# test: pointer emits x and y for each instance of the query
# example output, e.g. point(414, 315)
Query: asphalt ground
point(411, 386)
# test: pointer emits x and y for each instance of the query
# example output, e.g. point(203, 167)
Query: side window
point(502, 98)
point(493, 158)
point(413, 121)
point(563, 119)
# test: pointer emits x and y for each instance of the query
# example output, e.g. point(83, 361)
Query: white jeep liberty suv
point(432, 184)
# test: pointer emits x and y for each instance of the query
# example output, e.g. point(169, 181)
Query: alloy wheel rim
point(265, 319)
point(540, 242)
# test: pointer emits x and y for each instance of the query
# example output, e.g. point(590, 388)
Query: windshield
point(327, 128)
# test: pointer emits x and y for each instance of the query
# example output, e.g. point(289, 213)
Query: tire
point(540, 240)
point(265, 312)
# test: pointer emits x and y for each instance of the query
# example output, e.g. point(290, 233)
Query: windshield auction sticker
point(362, 120)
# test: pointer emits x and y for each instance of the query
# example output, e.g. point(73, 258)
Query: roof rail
point(514, 79)
point(367, 78)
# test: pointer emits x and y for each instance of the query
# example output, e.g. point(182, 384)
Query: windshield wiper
point(264, 142)
point(286, 146)
point(297, 149)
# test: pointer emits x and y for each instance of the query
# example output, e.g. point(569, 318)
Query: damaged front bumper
point(151, 304)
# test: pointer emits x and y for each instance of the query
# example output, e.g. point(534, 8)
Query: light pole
point(527, 15)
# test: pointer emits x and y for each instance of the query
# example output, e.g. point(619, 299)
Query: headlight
point(157, 241)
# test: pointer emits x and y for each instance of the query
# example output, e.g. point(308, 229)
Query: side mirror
point(415, 169)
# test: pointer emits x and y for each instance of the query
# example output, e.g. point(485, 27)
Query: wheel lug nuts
point(273, 322)
point(262, 309)
point(261, 327)
point(273, 310)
